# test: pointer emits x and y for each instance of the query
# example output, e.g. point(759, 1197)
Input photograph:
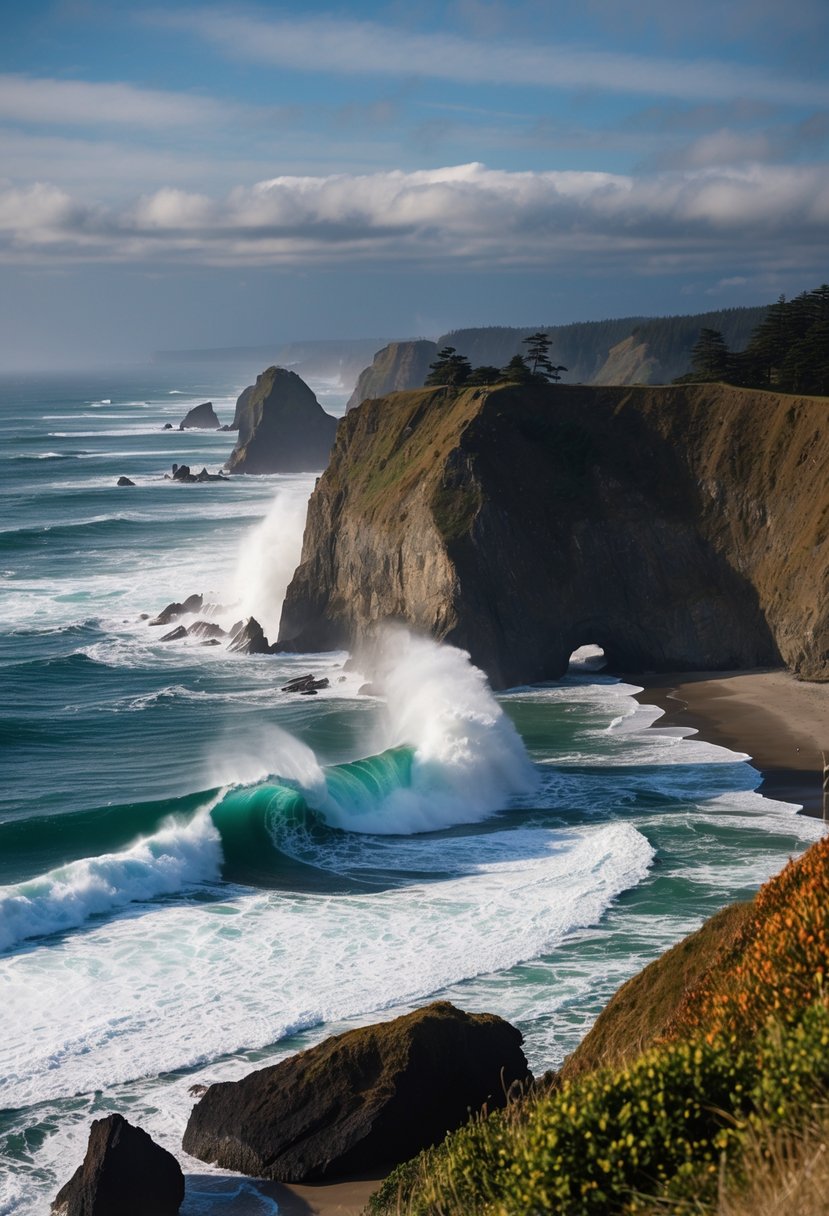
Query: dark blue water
point(199, 871)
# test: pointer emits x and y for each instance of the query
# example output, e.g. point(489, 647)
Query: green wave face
point(258, 823)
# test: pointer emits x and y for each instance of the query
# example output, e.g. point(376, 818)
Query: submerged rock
point(305, 684)
point(362, 1100)
point(200, 417)
point(282, 426)
point(124, 1173)
point(124, 481)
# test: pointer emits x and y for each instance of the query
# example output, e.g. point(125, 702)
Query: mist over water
point(200, 873)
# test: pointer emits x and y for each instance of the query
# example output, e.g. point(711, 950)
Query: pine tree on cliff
point(538, 358)
point(710, 357)
point(449, 368)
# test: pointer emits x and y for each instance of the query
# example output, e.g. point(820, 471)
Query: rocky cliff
point(282, 426)
point(682, 527)
point(399, 365)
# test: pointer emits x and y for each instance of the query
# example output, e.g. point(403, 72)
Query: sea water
point(201, 873)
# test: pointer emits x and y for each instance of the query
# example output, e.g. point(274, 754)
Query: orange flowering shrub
point(778, 962)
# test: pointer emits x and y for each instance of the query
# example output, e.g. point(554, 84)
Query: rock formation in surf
point(200, 417)
point(124, 1173)
point(679, 528)
point(282, 427)
point(362, 1100)
point(400, 365)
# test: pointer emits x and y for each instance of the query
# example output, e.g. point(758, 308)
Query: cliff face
point(400, 365)
point(679, 528)
point(282, 426)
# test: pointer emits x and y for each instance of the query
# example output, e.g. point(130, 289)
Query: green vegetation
point(731, 1091)
point(787, 351)
point(455, 371)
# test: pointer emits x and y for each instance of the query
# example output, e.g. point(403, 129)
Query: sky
point(191, 175)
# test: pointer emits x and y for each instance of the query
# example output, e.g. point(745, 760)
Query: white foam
point(64, 898)
point(186, 984)
point(269, 553)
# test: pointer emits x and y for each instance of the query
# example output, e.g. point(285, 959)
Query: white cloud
point(366, 48)
point(92, 103)
point(463, 213)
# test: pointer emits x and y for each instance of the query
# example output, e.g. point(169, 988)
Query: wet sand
point(782, 723)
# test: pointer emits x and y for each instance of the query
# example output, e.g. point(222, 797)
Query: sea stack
point(282, 427)
point(200, 417)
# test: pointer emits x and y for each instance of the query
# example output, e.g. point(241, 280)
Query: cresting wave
point(451, 756)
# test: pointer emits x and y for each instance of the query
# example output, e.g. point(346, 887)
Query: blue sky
point(197, 175)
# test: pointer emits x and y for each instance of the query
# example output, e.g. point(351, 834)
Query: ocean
point(201, 874)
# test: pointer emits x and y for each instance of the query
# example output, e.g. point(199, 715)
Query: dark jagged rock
point(168, 426)
point(241, 406)
point(200, 417)
point(206, 629)
point(282, 427)
point(305, 684)
point(679, 528)
point(400, 365)
point(362, 1100)
point(250, 639)
point(173, 611)
point(183, 473)
point(124, 481)
point(175, 635)
point(124, 1173)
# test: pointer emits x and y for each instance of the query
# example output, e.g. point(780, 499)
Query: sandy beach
point(782, 723)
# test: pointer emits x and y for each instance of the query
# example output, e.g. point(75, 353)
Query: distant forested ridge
point(587, 347)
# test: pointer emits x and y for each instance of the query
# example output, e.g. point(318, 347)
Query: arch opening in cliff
point(586, 658)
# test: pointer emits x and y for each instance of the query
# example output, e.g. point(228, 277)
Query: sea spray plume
point(161, 864)
point(468, 759)
point(269, 554)
point(266, 751)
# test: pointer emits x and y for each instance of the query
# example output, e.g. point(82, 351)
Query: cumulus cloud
point(463, 213)
point(366, 48)
point(82, 102)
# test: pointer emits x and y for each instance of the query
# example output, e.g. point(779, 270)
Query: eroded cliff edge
point(682, 527)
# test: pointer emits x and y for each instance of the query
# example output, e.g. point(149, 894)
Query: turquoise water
point(199, 872)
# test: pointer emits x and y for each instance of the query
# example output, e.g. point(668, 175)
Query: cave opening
point(590, 657)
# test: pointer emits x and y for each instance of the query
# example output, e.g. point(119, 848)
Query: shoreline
point(780, 722)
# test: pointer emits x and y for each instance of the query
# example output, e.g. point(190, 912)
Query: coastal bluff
point(683, 527)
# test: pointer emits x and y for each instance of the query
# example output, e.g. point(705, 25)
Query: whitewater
point(201, 873)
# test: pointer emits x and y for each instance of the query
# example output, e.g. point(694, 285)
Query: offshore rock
point(206, 629)
point(201, 417)
point(124, 1173)
point(305, 684)
point(250, 639)
point(400, 365)
point(183, 473)
point(282, 427)
point(173, 611)
point(175, 635)
point(679, 528)
point(124, 481)
point(366, 1099)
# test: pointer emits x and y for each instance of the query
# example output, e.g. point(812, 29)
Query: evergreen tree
point(449, 368)
point(710, 357)
point(538, 358)
point(484, 375)
point(516, 371)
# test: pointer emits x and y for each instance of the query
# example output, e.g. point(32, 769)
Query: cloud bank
point(460, 214)
point(367, 48)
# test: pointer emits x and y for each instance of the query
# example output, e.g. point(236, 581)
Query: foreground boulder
point(366, 1099)
point(124, 1173)
point(282, 426)
point(200, 417)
